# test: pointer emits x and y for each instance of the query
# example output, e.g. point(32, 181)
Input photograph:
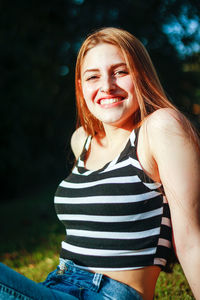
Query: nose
point(107, 84)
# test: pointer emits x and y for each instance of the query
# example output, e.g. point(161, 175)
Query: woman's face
point(108, 87)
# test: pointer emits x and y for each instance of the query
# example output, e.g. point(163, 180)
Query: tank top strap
point(87, 143)
point(137, 130)
point(134, 137)
point(85, 147)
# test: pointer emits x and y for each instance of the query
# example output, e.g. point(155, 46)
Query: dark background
point(39, 44)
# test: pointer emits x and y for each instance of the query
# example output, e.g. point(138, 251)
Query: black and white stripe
point(116, 218)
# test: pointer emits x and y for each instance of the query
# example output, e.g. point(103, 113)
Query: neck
point(115, 135)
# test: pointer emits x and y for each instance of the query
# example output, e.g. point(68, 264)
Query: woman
point(136, 177)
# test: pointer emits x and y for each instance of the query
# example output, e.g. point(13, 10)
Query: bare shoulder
point(165, 117)
point(165, 123)
point(168, 129)
point(77, 141)
point(171, 138)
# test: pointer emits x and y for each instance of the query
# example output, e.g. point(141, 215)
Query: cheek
point(89, 92)
point(130, 87)
point(87, 95)
point(126, 84)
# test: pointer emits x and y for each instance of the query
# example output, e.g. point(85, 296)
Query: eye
point(120, 73)
point(93, 77)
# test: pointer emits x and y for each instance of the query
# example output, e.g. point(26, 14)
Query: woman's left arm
point(178, 162)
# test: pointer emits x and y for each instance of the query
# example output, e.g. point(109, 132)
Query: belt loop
point(62, 264)
point(97, 281)
point(62, 267)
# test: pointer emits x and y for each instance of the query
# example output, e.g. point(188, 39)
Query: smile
point(110, 101)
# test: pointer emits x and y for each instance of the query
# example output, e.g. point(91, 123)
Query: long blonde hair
point(148, 89)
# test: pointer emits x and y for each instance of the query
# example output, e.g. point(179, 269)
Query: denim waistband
point(70, 266)
point(96, 282)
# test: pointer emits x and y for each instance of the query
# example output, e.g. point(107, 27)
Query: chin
point(111, 121)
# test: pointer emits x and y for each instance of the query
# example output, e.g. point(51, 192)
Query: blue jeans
point(66, 283)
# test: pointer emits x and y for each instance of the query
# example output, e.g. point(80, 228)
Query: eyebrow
point(112, 67)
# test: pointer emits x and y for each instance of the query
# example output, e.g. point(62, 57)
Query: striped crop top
point(116, 218)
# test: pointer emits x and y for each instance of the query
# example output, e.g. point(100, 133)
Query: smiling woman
point(136, 62)
point(134, 185)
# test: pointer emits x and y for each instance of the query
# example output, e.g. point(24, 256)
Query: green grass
point(173, 286)
point(31, 235)
point(30, 243)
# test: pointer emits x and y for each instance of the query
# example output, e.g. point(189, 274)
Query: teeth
point(109, 101)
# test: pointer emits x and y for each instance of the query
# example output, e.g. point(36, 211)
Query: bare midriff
point(142, 280)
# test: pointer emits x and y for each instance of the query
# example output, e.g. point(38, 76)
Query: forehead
point(102, 55)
